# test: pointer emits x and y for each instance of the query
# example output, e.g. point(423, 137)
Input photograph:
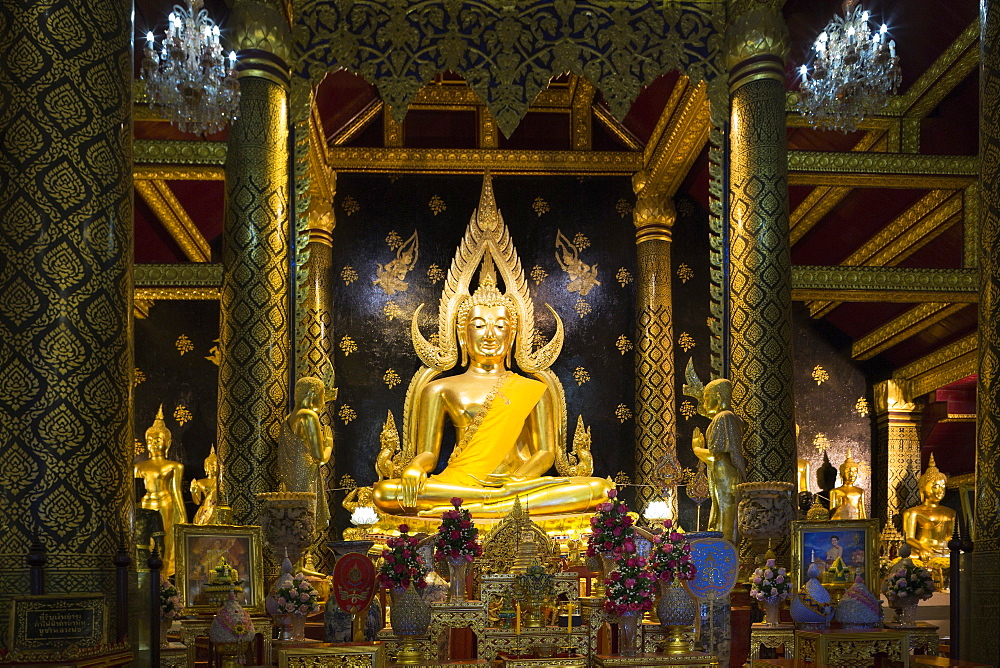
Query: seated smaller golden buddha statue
point(510, 428)
point(929, 526)
point(206, 491)
point(162, 478)
point(847, 502)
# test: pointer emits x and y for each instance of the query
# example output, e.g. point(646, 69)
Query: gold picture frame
point(856, 542)
point(199, 548)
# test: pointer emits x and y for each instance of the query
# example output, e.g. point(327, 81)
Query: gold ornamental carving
point(164, 151)
point(476, 161)
point(261, 26)
point(756, 31)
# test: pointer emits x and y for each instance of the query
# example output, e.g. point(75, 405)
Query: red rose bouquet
point(456, 537)
point(400, 562)
point(671, 556)
point(611, 528)
point(629, 588)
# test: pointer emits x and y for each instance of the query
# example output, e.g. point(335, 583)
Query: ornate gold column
point(985, 633)
point(65, 294)
point(255, 346)
point(655, 409)
point(760, 294)
point(896, 456)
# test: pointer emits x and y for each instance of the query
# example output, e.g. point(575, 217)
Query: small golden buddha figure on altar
point(847, 502)
point(206, 491)
point(510, 428)
point(162, 478)
point(307, 444)
point(929, 526)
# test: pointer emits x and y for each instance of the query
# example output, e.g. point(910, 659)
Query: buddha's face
point(933, 490)
point(850, 475)
point(488, 334)
point(157, 442)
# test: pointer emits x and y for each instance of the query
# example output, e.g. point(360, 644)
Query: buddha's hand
point(413, 480)
point(697, 439)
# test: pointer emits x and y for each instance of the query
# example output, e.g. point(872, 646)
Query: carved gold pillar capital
point(322, 220)
point(756, 42)
point(654, 212)
point(894, 396)
point(263, 39)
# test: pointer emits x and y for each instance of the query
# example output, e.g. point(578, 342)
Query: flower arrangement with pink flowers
point(629, 588)
point(298, 597)
point(907, 580)
point(401, 564)
point(671, 556)
point(170, 600)
point(611, 528)
point(456, 537)
point(770, 582)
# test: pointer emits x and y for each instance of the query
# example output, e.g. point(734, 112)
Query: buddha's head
point(849, 470)
point(717, 396)
point(212, 464)
point(310, 392)
point(932, 484)
point(487, 323)
point(158, 436)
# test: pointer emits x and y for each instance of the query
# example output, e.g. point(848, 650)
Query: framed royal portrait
point(200, 549)
point(841, 550)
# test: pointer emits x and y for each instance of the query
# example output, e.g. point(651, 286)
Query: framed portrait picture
point(841, 549)
point(200, 549)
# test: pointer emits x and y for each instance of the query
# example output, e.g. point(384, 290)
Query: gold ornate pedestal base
point(646, 659)
point(845, 648)
point(348, 655)
point(394, 645)
point(771, 637)
point(656, 639)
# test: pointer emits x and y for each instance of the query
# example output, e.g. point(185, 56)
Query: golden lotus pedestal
point(648, 659)
point(850, 648)
point(669, 640)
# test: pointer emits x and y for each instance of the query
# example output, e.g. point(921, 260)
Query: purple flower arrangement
point(770, 582)
point(670, 558)
point(611, 528)
point(907, 580)
point(629, 588)
point(456, 537)
point(299, 597)
point(170, 600)
point(400, 562)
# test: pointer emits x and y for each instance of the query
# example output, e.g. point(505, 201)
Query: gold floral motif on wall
point(623, 344)
point(182, 414)
point(688, 409)
point(347, 482)
point(684, 272)
point(140, 448)
point(348, 275)
point(581, 241)
point(623, 207)
point(391, 378)
point(861, 406)
point(581, 375)
point(436, 205)
point(623, 413)
point(582, 307)
point(346, 414)
point(622, 478)
point(137, 377)
point(540, 206)
point(582, 276)
point(348, 346)
point(686, 341)
point(392, 310)
point(435, 273)
point(538, 274)
point(183, 344)
point(391, 277)
point(350, 205)
point(214, 355)
point(624, 276)
point(820, 375)
point(821, 442)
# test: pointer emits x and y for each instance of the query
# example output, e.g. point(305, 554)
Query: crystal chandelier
point(187, 78)
point(853, 72)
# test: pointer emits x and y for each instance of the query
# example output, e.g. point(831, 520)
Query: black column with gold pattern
point(655, 405)
point(65, 294)
point(760, 276)
point(985, 633)
point(254, 332)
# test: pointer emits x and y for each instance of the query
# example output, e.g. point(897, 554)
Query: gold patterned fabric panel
point(65, 277)
point(760, 283)
point(508, 53)
point(253, 376)
point(986, 558)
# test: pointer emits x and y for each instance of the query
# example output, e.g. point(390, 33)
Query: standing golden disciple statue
point(206, 491)
point(162, 478)
point(847, 502)
point(929, 526)
point(510, 428)
point(720, 447)
point(306, 445)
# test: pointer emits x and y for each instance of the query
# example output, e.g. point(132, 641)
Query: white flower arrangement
point(770, 582)
point(299, 597)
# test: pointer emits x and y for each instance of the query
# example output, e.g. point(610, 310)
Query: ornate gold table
point(509, 661)
point(448, 616)
point(924, 639)
point(493, 641)
point(849, 648)
point(772, 637)
point(647, 659)
point(193, 628)
point(173, 655)
point(346, 655)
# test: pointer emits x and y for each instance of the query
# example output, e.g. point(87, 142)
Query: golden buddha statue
point(720, 447)
point(510, 428)
point(929, 526)
point(847, 502)
point(306, 444)
point(162, 478)
point(206, 491)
